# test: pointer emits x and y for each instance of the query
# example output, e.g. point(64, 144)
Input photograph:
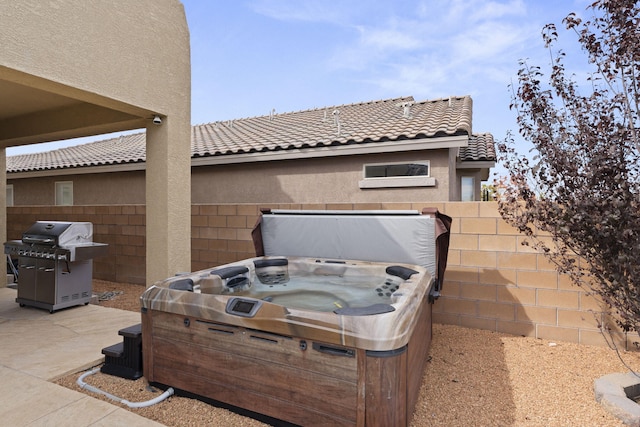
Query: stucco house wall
point(118, 188)
point(314, 180)
point(321, 180)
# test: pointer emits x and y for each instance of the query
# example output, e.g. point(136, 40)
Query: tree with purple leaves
point(577, 198)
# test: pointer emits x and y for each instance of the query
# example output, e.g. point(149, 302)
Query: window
point(396, 169)
point(411, 174)
point(467, 188)
point(9, 194)
point(64, 193)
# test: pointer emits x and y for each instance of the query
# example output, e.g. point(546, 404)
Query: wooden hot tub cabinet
point(291, 378)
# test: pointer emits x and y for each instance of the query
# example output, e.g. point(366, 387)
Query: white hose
point(89, 387)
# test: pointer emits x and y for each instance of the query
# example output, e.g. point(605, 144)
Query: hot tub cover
point(407, 236)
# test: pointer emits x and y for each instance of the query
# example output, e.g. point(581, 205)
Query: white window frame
point(64, 193)
point(473, 189)
point(9, 199)
point(397, 181)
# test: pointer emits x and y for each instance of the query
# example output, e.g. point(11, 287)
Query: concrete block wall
point(221, 234)
point(492, 281)
point(495, 282)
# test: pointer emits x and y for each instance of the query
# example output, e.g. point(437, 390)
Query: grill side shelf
point(89, 251)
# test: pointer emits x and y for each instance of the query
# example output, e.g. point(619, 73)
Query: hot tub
point(309, 340)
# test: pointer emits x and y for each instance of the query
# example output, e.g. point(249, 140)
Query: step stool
point(125, 358)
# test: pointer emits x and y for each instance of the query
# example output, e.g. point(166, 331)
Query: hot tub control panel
point(244, 307)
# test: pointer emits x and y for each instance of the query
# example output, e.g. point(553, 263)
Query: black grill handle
point(38, 240)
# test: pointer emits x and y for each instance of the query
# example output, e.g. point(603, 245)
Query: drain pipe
point(89, 387)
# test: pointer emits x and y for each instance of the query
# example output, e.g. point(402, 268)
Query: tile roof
point(364, 123)
point(481, 148)
point(123, 149)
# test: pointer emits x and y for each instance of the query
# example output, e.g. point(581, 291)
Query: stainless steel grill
point(55, 264)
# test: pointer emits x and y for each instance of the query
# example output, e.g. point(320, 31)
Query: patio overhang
point(68, 70)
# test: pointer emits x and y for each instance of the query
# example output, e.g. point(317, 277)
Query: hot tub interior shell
point(304, 370)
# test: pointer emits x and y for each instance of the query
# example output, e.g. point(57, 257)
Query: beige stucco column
point(168, 194)
point(72, 68)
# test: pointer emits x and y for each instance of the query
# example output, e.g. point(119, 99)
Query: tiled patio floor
point(37, 347)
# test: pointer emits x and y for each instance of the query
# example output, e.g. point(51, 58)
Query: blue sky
point(251, 56)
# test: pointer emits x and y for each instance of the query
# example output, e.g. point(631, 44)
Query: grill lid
point(58, 233)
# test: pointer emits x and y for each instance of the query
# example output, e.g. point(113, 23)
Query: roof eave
point(80, 170)
point(336, 150)
point(475, 164)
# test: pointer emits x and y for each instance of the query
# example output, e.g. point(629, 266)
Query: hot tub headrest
point(182, 285)
point(227, 272)
point(402, 272)
point(270, 262)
